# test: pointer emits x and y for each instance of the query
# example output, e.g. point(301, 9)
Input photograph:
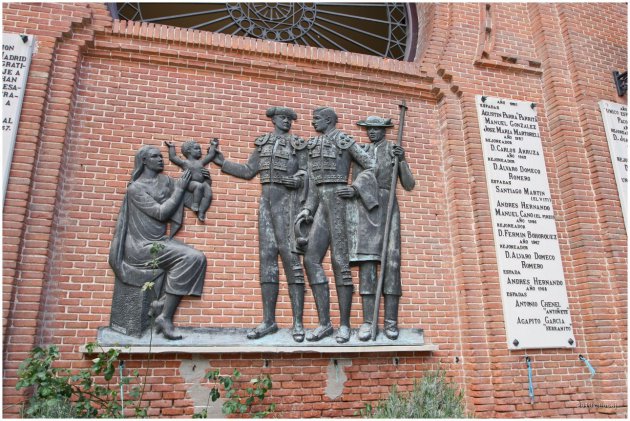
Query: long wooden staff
point(388, 223)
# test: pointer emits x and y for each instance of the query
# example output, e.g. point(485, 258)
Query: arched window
point(380, 29)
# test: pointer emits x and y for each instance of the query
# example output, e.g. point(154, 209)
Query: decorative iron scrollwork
point(380, 29)
point(284, 22)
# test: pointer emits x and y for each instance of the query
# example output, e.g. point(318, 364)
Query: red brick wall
point(98, 90)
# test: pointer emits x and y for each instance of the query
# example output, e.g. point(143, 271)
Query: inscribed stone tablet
point(16, 60)
point(533, 289)
point(616, 125)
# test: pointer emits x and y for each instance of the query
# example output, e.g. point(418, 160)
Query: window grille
point(380, 29)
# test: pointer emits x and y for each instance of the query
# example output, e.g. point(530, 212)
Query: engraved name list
point(533, 289)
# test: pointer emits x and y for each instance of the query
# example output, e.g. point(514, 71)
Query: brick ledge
point(213, 40)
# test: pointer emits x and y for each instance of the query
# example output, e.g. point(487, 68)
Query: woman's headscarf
point(138, 166)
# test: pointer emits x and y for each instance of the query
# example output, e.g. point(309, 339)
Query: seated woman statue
point(142, 251)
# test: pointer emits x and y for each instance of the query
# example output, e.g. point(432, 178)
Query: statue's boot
point(365, 331)
point(269, 293)
point(321, 292)
point(391, 316)
point(296, 293)
point(261, 330)
point(164, 322)
point(344, 294)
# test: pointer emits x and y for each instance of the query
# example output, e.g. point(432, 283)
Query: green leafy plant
point(51, 408)
point(58, 393)
point(155, 249)
point(431, 397)
point(52, 390)
point(237, 399)
point(147, 286)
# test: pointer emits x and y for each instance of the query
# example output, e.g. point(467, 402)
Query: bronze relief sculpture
point(367, 236)
point(307, 206)
point(329, 160)
point(143, 252)
point(279, 158)
point(199, 190)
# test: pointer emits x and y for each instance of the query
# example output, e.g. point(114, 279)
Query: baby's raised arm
point(172, 155)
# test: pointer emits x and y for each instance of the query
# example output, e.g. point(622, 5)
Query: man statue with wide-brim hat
point(367, 233)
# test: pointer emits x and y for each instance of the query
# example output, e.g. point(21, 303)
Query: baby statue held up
point(200, 182)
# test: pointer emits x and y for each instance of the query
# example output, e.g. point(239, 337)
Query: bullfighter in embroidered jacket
point(279, 158)
point(329, 159)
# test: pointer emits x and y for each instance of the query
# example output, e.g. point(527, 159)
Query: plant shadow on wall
point(433, 396)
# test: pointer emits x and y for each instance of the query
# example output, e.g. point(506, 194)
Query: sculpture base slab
point(234, 340)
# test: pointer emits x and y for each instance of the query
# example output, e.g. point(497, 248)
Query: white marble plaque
point(616, 125)
point(16, 60)
point(533, 289)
